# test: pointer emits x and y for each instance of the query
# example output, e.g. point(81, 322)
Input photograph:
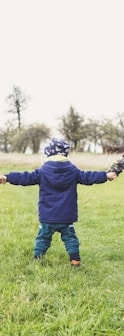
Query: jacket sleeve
point(25, 178)
point(89, 177)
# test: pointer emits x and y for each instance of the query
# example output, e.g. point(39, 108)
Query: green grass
point(54, 299)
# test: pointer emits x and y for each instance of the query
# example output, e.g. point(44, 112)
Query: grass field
point(54, 299)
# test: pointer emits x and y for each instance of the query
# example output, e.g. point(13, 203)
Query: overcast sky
point(63, 53)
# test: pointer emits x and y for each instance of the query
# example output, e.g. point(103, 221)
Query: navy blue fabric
point(57, 188)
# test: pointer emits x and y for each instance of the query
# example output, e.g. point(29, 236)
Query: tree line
point(73, 126)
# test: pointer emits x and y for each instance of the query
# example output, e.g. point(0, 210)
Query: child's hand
point(2, 179)
point(111, 175)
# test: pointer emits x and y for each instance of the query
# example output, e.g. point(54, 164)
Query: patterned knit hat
point(57, 147)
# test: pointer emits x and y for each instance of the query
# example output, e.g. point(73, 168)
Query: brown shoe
point(75, 263)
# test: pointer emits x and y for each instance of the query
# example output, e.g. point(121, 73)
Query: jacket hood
point(59, 174)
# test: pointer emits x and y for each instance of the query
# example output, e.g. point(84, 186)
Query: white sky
point(63, 53)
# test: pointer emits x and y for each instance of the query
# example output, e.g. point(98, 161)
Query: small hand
point(2, 179)
point(111, 175)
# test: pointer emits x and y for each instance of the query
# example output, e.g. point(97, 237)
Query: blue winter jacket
point(57, 182)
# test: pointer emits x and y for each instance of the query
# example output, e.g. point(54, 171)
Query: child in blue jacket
point(57, 179)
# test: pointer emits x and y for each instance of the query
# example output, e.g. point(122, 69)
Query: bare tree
point(92, 128)
point(37, 133)
point(17, 103)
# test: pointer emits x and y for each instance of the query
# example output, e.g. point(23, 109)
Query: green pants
point(45, 233)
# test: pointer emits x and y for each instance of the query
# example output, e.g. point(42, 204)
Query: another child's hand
point(118, 166)
point(111, 175)
point(2, 179)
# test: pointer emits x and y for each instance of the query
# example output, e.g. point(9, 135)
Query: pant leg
point(43, 239)
point(70, 240)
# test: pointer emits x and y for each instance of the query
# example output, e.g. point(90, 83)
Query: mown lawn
point(51, 298)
